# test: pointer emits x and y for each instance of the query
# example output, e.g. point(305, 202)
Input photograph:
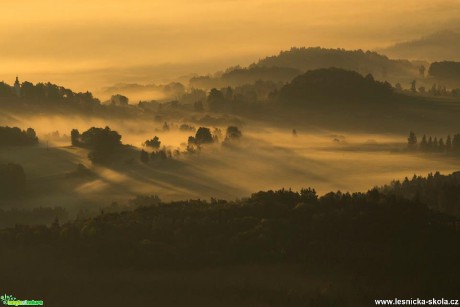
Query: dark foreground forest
point(274, 248)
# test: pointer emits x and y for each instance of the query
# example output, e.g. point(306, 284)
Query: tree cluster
point(445, 70)
point(233, 133)
point(377, 232)
point(14, 136)
point(154, 142)
point(434, 90)
point(433, 144)
point(161, 154)
point(202, 136)
point(49, 93)
point(102, 142)
point(387, 232)
point(439, 192)
point(243, 98)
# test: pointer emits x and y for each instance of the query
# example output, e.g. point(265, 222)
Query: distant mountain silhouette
point(289, 64)
point(443, 45)
point(364, 62)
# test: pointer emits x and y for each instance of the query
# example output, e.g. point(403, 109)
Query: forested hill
point(333, 85)
point(396, 229)
point(361, 61)
point(45, 94)
point(383, 237)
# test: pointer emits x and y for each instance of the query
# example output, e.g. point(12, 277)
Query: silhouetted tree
point(412, 141)
point(441, 145)
point(424, 144)
point(154, 143)
point(191, 140)
point(192, 147)
point(430, 144)
point(75, 137)
point(203, 136)
point(102, 142)
point(216, 100)
point(233, 133)
point(448, 143)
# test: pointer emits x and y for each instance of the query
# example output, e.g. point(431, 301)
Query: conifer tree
point(423, 144)
point(412, 141)
point(448, 143)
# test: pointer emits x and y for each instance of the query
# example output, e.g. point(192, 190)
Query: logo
point(10, 300)
point(6, 298)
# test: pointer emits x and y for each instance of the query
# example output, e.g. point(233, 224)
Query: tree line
point(445, 70)
point(203, 136)
point(433, 144)
point(14, 136)
point(45, 93)
point(438, 192)
point(377, 233)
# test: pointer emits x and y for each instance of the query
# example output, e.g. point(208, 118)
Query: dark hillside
point(333, 85)
point(377, 241)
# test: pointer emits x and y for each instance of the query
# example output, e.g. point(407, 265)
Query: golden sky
point(87, 44)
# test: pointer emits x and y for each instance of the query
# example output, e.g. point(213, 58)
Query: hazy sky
point(92, 43)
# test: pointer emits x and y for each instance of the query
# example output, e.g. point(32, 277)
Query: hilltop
point(332, 85)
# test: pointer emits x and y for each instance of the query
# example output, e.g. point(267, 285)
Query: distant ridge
point(364, 62)
point(288, 64)
point(438, 46)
